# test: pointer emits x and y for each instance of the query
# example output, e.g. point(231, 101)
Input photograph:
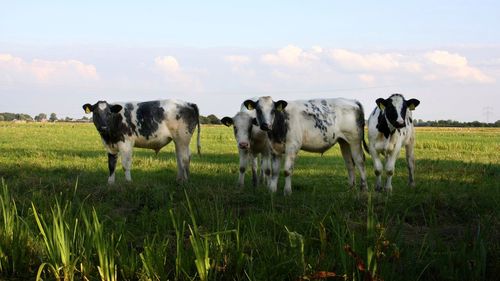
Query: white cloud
point(168, 64)
point(367, 78)
point(445, 65)
point(16, 68)
point(371, 62)
point(176, 77)
point(236, 59)
point(291, 56)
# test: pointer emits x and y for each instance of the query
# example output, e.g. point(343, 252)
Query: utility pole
point(488, 111)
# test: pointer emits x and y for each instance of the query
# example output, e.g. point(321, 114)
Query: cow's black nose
point(243, 145)
point(265, 127)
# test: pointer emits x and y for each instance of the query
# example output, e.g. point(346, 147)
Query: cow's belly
point(314, 142)
point(155, 141)
point(318, 147)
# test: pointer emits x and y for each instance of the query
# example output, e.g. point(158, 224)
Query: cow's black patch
point(280, 127)
point(112, 163)
point(149, 115)
point(382, 125)
point(411, 120)
point(390, 111)
point(190, 114)
point(128, 118)
point(319, 116)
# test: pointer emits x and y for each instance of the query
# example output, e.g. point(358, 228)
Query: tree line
point(212, 119)
point(42, 117)
point(454, 123)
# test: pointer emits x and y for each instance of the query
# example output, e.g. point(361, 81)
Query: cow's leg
point(359, 160)
point(378, 167)
point(126, 154)
point(183, 155)
point(243, 166)
point(410, 161)
point(112, 158)
point(266, 169)
point(255, 176)
point(347, 155)
point(389, 168)
point(288, 170)
point(275, 172)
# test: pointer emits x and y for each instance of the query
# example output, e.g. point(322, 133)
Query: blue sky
point(57, 55)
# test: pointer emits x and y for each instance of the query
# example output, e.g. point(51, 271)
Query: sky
point(56, 56)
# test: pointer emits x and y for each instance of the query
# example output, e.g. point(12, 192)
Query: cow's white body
point(314, 126)
point(149, 125)
point(252, 143)
point(387, 139)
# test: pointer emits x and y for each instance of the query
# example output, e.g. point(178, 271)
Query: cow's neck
point(383, 126)
point(279, 128)
point(116, 130)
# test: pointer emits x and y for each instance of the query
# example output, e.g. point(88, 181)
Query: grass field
point(60, 220)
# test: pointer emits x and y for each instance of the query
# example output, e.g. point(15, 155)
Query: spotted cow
point(311, 125)
point(390, 127)
point(151, 124)
point(252, 142)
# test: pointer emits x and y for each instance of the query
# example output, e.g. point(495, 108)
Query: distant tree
point(497, 123)
point(40, 117)
point(24, 117)
point(53, 117)
point(67, 119)
point(2, 118)
point(212, 119)
point(85, 118)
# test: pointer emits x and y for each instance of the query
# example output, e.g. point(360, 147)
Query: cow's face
point(102, 114)
point(266, 110)
point(396, 109)
point(242, 125)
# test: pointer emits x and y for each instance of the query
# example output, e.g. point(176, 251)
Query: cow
point(390, 126)
point(251, 142)
point(311, 125)
point(150, 124)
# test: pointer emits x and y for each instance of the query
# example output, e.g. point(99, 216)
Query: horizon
point(56, 56)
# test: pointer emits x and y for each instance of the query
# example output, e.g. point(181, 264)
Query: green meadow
point(61, 221)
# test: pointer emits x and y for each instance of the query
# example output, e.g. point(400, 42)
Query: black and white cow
point(390, 126)
point(314, 126)
point(252, 142)
point(151, 124)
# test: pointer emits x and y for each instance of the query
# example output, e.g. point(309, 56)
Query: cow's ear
point(254, 122)
point(280, 105)
point(115, 108)
point(228, 121)
point(88, 108)
point(249, 104)
point(380, 103)
point(412, 103)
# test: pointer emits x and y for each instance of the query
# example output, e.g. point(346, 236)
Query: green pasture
point(61, 221)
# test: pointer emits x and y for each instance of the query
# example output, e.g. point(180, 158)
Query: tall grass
point(15, 244)
point(62, 240)
point(153, 229)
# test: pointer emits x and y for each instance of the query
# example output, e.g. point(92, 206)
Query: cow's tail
point(197, 113)
point(361, 124)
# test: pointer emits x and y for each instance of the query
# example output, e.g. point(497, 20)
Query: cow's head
point(242, 124)
point(102, 114)
point(266, 110)
point(396, 108)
